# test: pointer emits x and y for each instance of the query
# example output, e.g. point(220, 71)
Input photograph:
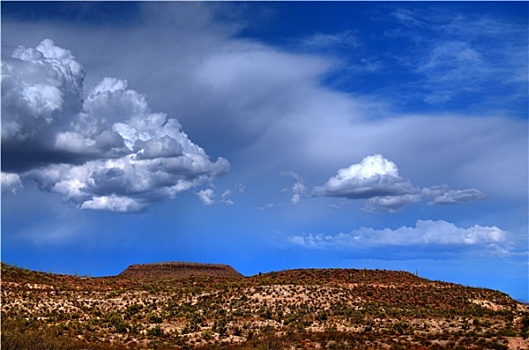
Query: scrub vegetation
point(219, 309)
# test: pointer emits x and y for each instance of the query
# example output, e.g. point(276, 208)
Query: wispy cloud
point(345, 39)
point(458, 54)
point(226, 197)
point(299, 189)
point(457, 196)
point(269, 206)
point(207, 196)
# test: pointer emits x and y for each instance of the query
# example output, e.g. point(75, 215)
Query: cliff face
point(178, 270)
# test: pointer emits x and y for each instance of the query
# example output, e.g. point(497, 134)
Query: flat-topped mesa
point(178, 270)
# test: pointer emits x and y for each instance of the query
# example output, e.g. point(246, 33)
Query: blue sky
point(267, 136)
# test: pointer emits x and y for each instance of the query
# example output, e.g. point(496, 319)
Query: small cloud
point(240, 188)
point(268, 206)
point(226, 198)
point(340, 204)
point(11, 183)
point(298, 189)
point(458, 196)
point(206, 196)
point(376, 180)
point(373, 176)
point(345, 39)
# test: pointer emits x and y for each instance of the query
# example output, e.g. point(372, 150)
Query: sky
point(267, 136)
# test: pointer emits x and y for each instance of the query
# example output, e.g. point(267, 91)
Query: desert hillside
point(186, 305)
point(178, 270)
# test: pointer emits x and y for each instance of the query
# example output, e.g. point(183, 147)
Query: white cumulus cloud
point(376, 180)
point(374, 176)
point(105, 151)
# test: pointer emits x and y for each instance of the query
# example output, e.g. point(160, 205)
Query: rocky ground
point(217, 308)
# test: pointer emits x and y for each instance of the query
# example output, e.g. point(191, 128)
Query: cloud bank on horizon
point(428, 239)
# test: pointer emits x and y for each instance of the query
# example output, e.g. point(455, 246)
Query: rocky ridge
point(178, 270)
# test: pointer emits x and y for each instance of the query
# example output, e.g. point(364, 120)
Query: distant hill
point(211, 306)
point(179, 270)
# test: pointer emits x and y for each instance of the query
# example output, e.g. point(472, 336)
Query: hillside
point(182, 305)
point(178, 270)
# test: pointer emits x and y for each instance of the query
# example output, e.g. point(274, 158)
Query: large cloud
point(377, 180)
point(436, 237)
point(106, 151)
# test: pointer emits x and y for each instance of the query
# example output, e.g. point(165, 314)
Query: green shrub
point(153, 318)
point(156, 332)
point(118, 323)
